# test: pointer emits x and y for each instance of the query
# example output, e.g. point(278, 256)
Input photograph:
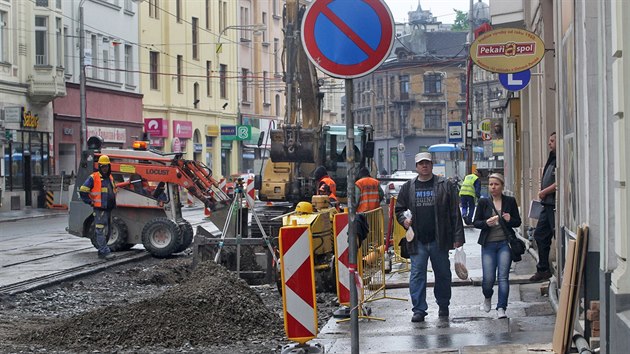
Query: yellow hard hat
point(304, 208)
point(103, 160)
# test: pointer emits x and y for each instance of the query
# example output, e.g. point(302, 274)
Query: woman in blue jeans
point(495, 251)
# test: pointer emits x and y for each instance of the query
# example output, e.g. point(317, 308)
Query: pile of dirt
point(210, 308)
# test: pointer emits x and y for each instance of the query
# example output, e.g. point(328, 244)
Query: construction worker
point(368, 191)
point(99, 191)
point(325, 184)
point(469, 193)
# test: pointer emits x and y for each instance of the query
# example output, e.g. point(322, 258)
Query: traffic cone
point(189, 200)
point(206, 212)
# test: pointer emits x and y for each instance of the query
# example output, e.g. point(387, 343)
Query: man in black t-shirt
point(437, 224)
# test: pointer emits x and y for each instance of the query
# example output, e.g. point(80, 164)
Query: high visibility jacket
point(468, 186)
point(99, 195)
point(369, 199)
point(332, 186)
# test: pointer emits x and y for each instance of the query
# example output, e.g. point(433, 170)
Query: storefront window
point(37, 144)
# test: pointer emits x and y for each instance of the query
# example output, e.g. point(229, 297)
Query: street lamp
point(82, 78)
point(256, 28)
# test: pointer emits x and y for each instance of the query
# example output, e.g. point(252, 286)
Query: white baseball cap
point(423, 156)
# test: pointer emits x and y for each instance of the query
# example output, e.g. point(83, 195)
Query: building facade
point(31, 77)
point(578, 91)
point(110, 65)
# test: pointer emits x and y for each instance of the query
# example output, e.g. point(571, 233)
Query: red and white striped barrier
point(250, 193)
point(223, 185)
point(298, 283)
point(340, 223)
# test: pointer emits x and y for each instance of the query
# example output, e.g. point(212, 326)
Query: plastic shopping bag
point(409, 234)
point(460, 263)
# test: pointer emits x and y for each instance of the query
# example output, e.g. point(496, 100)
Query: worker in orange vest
point(325, 184)
point(99, 191)
point(368, 191)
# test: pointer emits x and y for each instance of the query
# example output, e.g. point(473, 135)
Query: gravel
point(156, 306)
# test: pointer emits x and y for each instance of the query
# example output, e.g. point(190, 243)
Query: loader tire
point(187, 236)
point(161, 237)
point(117, 240)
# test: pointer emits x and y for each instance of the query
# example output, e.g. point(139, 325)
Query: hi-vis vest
point(332, 185)
point(96, 194)
point(369, 199)
point(468, 186)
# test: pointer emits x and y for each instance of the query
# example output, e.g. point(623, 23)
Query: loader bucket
point(293, 144)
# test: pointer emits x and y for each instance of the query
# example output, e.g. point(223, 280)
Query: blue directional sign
point(516, 81)
point(348, 38)
point(455, 132)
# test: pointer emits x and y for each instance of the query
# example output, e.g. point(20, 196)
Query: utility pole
point(469, 103)
point(83, 104)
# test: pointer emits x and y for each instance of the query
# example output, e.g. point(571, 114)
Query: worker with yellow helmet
point(99, 191)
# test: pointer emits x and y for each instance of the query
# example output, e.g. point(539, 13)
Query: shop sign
point(177, 145)
point(156, 142)
point(109, 134)
point(182, 129)
point(236, 132)
point(212, 130)
point(156, 127)
point(485, 126)
point(30, 120)
point(197, 147)
point(13, 114)
point(507, 50)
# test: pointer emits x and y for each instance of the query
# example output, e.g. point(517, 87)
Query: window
point(153, 70)
point(94, 55)
point(245, 33)
point(209, 78)
point(4, 37)
point(404, 87)
point(274, 7)
point(105, 64)
point(129, 65)
point(66, 49)
point(195, 38)
point(244, 87)
point(59, 41)
point(196, 95)
point(117, 63)
point(128, 6)
point(264, 22)
point(433, 119)
point(222, 81)
point(462, 84)
point(41, 40)
point(58, 4)
point(278, 106)
point(178, 10)
point(392, 87)
point(180, 73)
point(208, 13)
point(276, 49)
point(266, 87)
point(433, 83)
point(222, 15)
point(379, 87)
point(154, 11)
point(41, 3)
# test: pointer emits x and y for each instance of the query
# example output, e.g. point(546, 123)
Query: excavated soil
point(157, 306)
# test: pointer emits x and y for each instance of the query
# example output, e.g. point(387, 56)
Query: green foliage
point(461, 21)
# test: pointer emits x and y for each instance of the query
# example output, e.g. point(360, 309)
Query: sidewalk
point(29, 213)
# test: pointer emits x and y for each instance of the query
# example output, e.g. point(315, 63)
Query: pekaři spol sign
point(507, 50)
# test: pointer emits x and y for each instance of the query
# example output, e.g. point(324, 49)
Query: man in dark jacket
point(437, 224)
point(544, 232)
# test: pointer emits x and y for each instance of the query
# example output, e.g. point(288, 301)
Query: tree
point(461, 21)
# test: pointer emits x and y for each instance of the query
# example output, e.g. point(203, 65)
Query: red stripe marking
point(300, 282)
point(290, 236)
point(295, 329)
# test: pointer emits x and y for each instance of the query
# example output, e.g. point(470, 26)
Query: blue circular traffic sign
point(516, 81)
point(348, 38)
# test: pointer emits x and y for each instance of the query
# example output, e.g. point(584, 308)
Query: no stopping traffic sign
point(348, 38)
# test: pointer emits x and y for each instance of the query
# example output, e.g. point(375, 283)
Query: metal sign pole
point(352, 237)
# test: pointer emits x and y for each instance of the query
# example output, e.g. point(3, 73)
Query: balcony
point(46, 83)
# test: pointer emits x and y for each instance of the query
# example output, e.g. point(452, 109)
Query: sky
point(442, 9)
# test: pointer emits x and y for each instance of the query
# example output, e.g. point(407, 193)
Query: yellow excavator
point(299, 146)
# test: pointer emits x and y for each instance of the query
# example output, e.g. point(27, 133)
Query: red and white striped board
point(250, 193)
point(223, 185)
point(298, 283)
point(340, 223)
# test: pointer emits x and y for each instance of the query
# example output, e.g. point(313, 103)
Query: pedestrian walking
point(368, 191)
point(437, 224)
point(544, 232)
point(99, 191)
point(496, 216)
point(469, 194)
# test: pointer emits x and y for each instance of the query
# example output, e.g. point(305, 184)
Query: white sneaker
point(485, 306)
point(501, 313)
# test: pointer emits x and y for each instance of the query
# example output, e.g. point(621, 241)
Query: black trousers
point(543, 234)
